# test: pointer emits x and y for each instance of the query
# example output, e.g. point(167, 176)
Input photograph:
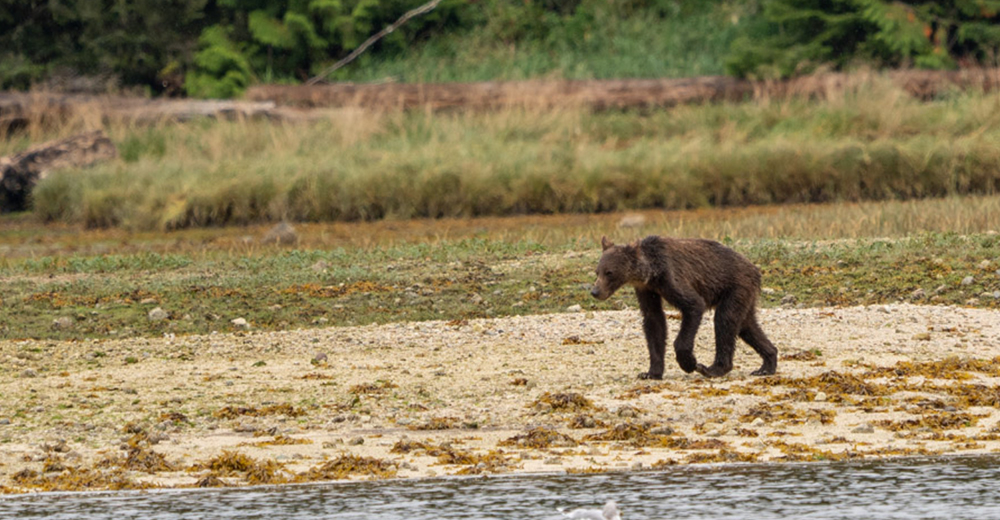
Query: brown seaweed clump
point(537, 438)
point(239, 465)
point(562, 402)
point(347, 466)
point(232, 412)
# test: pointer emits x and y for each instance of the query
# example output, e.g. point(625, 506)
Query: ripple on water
point(956, 487)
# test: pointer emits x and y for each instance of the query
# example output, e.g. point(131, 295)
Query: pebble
point(918, 294)
point(789, 299)
point(63, 322)
point(147, 301)
point(967, 280)
point(29, 373)
point(820, 396)
point(283, 233)
point(984, 265)
point(320, 357)
point(158, 314)
point(922, 336)
point(574, 308)
point(864, 428)
point(240, 323)
point(357, 441)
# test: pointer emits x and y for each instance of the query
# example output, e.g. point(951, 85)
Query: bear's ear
point(605, 243)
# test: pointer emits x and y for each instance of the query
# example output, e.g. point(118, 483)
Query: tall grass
point(870, 143)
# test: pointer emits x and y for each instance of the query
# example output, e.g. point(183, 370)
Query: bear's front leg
point(654, 325)
point(684, 343)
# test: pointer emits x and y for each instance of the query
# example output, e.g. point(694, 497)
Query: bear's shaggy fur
point(692, 275)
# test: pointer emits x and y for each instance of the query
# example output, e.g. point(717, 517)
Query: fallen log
point(614, 94)
point(17, 109)
point(19, 173)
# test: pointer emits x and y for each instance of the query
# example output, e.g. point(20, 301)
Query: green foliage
point(131, 39)
point(221, 70)
point(796, 36)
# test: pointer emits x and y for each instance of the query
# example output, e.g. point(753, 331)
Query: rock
point(984, 265)
point(245, 427)
point(63, 322)
point(864, 428)
point(357, 441)
point(922, 336)
point(476, 299)
point(574, 308)
point(789, 299)
point(768, 291)
point(282, 234)
point(240, 323)
point(320, 266)
point(632, 220)
point(4, 422)
point(941, 289)
point(918, 294)
point(29, 373)
point(820, 396)
point(967, 280)
point(158, 314)
point(986, 295)
point(319, 358)
point(147, 301)
point(884, 309)
point(758, 422)
point(971, 302)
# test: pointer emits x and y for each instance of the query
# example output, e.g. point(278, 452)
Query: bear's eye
point(607, 273)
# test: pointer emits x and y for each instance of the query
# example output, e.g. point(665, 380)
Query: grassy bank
point(104, 283)
point(871, 143)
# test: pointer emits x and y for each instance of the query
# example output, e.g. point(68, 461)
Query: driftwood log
point(614, 94)
point(19, 173)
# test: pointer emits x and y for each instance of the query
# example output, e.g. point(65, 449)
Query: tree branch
point(426, 8)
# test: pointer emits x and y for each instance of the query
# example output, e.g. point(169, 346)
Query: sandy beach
point(541, 393)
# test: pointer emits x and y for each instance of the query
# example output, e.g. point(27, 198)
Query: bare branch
point(426, 8)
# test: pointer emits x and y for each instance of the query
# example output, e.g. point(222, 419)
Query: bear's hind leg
point(755, 337)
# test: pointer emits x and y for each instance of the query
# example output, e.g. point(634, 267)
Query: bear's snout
point(594, 292)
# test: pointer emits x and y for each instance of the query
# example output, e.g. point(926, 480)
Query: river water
point(946, 488)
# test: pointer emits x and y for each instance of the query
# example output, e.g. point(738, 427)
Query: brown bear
point(692, 275)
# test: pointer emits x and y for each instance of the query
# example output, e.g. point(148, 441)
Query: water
point(947, 488)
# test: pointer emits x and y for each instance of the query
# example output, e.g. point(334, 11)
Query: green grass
point(599, 43)
point(453, 270)
point(872, 142)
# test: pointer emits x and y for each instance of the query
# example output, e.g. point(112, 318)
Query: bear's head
point(619, 265)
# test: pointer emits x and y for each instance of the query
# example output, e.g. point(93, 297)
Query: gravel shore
point(520, 394)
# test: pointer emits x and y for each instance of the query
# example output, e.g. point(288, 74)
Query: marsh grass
point(107, 281)
point(867, 142)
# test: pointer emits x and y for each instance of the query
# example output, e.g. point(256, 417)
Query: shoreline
point(551, 393)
